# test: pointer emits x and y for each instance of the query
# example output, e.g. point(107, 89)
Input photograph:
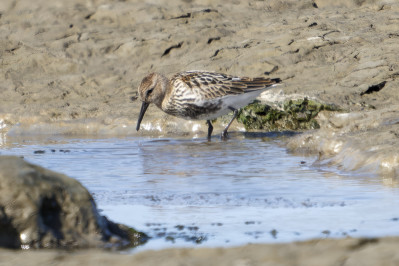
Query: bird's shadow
point(271, 134)
point(256, 135)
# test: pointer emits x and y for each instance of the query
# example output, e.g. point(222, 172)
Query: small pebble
point(274, 233)
point(179, 227)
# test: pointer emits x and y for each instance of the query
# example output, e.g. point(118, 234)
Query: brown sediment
point(373, 251)
point(365, 142)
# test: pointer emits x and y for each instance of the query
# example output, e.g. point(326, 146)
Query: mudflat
point(314, 252)
point(73, 67)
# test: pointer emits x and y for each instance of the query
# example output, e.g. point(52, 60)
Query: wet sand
point(73, 67)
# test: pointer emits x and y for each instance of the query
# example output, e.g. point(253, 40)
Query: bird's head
point(151, 90)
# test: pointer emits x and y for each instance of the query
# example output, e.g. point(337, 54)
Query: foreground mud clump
point(295, 115)
point(40, 208)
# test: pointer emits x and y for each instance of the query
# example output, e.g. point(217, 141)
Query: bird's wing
point(211, 85)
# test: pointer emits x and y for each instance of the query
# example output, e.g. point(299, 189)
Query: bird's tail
point(260, 83)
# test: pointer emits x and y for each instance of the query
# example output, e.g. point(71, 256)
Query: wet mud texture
point(314, 252)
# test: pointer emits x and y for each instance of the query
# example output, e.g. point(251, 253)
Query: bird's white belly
point(227, 103)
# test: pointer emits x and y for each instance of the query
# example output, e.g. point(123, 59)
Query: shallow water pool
point(191, 192)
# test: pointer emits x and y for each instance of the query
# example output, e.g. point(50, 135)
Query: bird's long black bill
point(144, 107)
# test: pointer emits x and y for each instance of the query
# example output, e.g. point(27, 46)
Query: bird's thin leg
point(224, 132)
point(210, 129)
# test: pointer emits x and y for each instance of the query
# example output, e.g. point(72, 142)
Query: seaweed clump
point(296, 115)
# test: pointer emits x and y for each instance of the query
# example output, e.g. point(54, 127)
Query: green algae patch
point(295, 115)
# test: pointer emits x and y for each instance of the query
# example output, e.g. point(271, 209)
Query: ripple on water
point(186, 192)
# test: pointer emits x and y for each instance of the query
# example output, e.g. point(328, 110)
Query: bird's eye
point(150, 91)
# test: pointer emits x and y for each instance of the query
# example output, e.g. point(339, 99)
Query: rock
point(40, 208)
point(295, 115)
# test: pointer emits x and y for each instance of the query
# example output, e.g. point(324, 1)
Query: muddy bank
point(74, 67)
point(314, 252)
point(365, 142)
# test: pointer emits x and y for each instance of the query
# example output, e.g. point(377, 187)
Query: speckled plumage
point(201, 95)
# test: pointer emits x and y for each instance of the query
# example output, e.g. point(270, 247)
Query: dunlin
point(200, 95)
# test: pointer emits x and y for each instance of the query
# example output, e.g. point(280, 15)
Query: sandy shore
point(73, 67)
